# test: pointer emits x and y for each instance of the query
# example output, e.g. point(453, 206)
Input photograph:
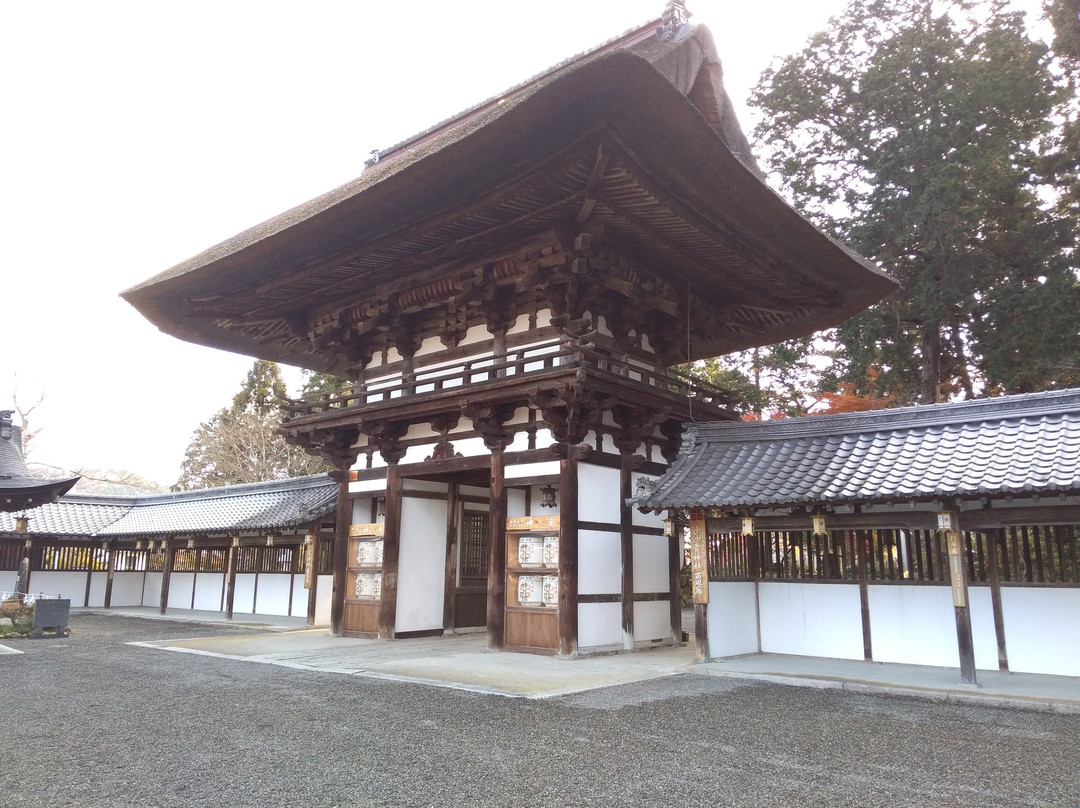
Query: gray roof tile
point(1012, 444)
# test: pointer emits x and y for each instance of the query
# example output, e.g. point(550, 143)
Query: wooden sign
point(374, 529)
point(956, 569)
point(699, 558)
point(532, 523)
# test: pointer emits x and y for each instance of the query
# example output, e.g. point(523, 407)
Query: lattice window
point(475, 538)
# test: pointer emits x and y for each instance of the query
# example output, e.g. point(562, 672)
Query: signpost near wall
point(949, 524)
point(699, 581)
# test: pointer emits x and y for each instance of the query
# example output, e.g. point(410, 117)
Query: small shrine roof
point(1008, 446)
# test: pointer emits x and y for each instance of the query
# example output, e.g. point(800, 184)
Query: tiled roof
point(255, 506)
point(1013, 445)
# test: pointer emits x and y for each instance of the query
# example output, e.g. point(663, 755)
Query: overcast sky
point(137, 134)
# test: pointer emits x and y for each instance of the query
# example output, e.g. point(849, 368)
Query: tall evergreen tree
point(915, 131)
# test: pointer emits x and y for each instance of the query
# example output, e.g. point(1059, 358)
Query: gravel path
point(92, 721)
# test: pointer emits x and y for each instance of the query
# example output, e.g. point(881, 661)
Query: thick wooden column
point(312, 574)
point(496, 599)
point(864, 592)
point(340, 551)
point(995, 543)
point(626, 545)
point(568, 554)
point(230, 577)
point(699, 582)
point(949, 522)
point(451, 564)
point(166, 572)
point(391, 552)
point(110, 573)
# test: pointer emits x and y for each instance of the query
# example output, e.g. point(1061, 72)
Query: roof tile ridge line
point(901, 417)
point(304, 483)
point(682, 466)
point(397, 148)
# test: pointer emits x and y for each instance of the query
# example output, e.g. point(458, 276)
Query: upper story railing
point(473, 375)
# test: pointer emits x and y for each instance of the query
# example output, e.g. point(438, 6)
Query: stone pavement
point(463, 662)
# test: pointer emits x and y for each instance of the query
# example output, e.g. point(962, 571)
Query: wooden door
point(470, 599)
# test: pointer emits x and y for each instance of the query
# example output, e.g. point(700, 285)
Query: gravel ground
point(91, 721)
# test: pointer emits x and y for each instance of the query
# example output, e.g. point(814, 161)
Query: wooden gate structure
point(506, 295)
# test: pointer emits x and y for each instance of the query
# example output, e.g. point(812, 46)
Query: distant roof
point(18, 490)
point(238, 508)
point(1012, 445)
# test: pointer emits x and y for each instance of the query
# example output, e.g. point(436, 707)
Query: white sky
point(137, 134)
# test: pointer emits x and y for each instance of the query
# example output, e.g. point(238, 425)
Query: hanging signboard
point(699, 558)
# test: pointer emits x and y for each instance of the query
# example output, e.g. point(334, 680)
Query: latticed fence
point(1037, 554)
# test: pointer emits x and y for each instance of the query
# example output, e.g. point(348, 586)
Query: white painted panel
point(361, 510)
point(515, 502)
point(822, 620)
point(520, 325)
point(476, 333)
point(471, 447)
point(599, 626)
point(209, 587)
point(1042, 629)
point(273, 594)
point(537, 498)
point(915, 625)
point(244, 594)
point(299, 597)
point(421, 430)
point(181, 586)
point(474, 491)
point(7, 581)
point(98, 582)
point(127, 589)
point(532, 470)
point(732, 618)
point(652, 621)
point(423, 485)
point(65, 584)
point(421, 565)
point(598, 494)
point(151, 595)
point(599, 563)
point(651, 572)
point(429, 346)
point(363, 486)
point(983, 636)
point(324, 599)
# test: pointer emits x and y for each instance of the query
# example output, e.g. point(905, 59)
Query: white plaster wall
point(244, 593)
point(151, 595)
point(515, 502)
point(127, 589)
point(424, 485)
point(209, 587)
point(983, 635)
point(98, 582)
point(532, 469)
point(652, 621)
point(7, 581)
point(323, 600)
point(65, 584)
point(273, 594)
point(299, 597)
point(421, 565)
point(475, 491)
point(365, 486)
point(732, 618)
point(598, 494)
point(537, 496)
point(651, 572)
point(599, 626)
point(599, 563)
point(822, 620)
point(180, 588)
point(1042, 629)
point(914, 625)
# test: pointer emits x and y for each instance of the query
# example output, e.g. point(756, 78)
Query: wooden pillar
point(230, 577)
point(450, 582)
point(864, 593)
point(949, 523)
point(166, 572)
point(626, 547)
point(311, 573)
point(995, 543)
point(496, 598)
point(568, 554)
point(699, 582)
point(391, 552)
point(340, 551)
point(110, 573)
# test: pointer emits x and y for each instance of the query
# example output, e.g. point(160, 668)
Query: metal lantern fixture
point(748, 525)
point(946, 520)
point(547, 496)
point(819, 524)
point(22, 524)
point(669, 527)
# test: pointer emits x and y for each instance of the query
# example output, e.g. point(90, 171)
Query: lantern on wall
point(946, 520)
point(748, 525)
point(819, 524)
point(22, 524)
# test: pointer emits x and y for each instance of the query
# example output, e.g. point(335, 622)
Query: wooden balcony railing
point(470, 376)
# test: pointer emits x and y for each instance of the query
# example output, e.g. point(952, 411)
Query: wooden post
point(340, 552)
point(568, 554)
point(995, 541)
point(450, 582)
point(230, 577)
point(166, 572)
point(391, 552)
point(626, 547)
point(311, 572)
point(949, 523)
point(496, 597)
point(699, 582)
point(864, 593)
point(110, 572)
